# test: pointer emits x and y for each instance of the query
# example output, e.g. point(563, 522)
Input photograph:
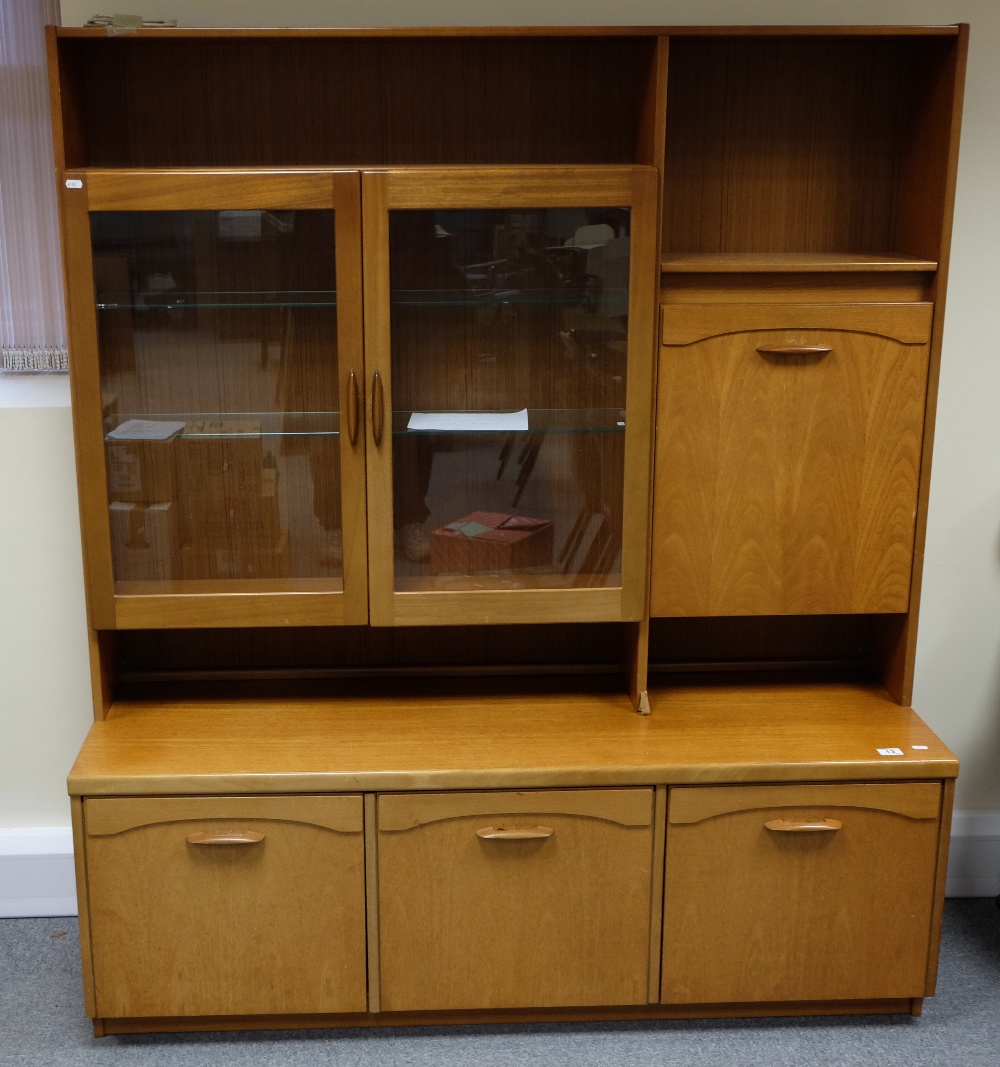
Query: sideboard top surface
point(505, 737)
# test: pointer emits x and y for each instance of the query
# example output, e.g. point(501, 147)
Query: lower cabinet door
point(226, 905)
point(514, 899)
point(799, 892)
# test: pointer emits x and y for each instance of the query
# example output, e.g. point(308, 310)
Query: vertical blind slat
point(32, 324)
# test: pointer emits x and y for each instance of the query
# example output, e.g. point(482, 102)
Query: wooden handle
point(794, 350)
point(790, 826)
point(249, 837)
point(498, 833)
point(353, 407)
point(378, 409)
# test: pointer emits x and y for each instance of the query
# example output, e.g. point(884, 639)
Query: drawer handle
point(790, 826)
point(794, 350)
point(250, 837)
point(498, 833)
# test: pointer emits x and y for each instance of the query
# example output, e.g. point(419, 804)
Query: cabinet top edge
point(697, 734)
point(102, 32)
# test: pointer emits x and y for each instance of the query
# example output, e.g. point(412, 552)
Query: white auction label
point(890, 752)
point(74, 183)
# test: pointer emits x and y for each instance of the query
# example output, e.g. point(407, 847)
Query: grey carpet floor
point(42, 1024)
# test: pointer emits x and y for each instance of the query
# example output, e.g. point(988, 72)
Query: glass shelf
point(173, 300)
point(540, 420)
point(200, 425)
point(571, 296)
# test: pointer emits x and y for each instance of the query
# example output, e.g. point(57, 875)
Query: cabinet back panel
point(839, 643)
point(777, 145)
point(318, 648)
point(255, 101)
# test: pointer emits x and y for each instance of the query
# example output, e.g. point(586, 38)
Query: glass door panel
point(509, 331)
point(217, 338)
point(508, 353)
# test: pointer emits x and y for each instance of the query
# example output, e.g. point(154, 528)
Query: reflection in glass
point(218, 357)
point(509, 341)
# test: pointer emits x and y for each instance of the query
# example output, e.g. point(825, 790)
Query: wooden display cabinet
point(402, 491)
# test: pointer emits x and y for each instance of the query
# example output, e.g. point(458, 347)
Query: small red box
point(492, 542)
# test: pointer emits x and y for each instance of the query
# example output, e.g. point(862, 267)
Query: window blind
point(32, 323)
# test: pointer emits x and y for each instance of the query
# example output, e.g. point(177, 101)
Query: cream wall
point(44, 707)
point(44, 699)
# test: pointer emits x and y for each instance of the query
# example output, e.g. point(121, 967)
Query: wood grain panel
point(470, 923)
point(83, 903)
point(85, 386)
point(787, 484)
point(522, 186)
point(276, 926)
point(406, 811)
point(210, 190)
point(913, 800)
point(908, 324)
point(576, 648)
point(787, 287)
point(109, 816)
point(790, 262)
point(311, 98)
point(179, 608)
point(940, 883)
point(947, 105)
point(752, 914)
point(501, 733)
point(776, 145)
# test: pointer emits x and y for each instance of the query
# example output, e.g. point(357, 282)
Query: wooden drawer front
point(787, 483)
point(181, 928)
point(759, 914)
point(468, 922)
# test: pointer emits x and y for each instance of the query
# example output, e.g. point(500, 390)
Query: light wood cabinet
point(444, 398)
point(818, 892)
point(514, 900)
point(788, 458)
point(226, 905)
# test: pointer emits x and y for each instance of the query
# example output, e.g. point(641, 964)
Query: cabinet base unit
point(555, 857)
point(503, 462)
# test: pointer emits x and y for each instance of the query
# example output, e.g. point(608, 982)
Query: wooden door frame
point(286, 604)
point(458, 187)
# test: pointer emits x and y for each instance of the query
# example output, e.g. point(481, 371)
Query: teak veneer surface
point(504, 737)
point(554, 920)
point(785, 262)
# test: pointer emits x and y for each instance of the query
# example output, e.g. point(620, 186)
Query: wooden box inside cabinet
point(507, 900)
point(799, 892)
point(226, 905)
point(788, 458)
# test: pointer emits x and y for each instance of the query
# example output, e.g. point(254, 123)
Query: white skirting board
point(36, 872)
point(37, 877)
point(974, 860)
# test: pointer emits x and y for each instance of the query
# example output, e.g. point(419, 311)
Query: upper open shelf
point(805, 147)
point(189, 100)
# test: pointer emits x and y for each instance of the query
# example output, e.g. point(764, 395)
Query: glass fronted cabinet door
point(508, 356)
point(216, 329)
